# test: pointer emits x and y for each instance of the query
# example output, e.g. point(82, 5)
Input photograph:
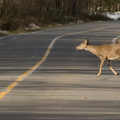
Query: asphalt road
point(64, 86)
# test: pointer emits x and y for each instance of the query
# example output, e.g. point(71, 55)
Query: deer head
point(83, 45)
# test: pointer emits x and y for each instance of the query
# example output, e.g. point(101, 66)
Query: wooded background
point(22, 12)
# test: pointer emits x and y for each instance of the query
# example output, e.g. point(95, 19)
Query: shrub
point(98, 17)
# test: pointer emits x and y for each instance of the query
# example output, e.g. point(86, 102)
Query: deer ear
point(86, 40)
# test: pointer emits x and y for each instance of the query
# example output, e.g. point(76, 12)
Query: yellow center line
point(24, 75)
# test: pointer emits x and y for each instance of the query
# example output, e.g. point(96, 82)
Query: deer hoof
point(117, 74)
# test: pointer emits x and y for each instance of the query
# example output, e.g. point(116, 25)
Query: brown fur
point(105, 51)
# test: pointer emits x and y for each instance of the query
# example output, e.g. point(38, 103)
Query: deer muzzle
point(77, 48)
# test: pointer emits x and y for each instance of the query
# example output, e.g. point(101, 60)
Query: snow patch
point(113, 16)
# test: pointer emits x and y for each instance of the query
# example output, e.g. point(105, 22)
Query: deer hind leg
point(101, 64)
point(109, 64)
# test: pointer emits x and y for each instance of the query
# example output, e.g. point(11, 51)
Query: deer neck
point(91, 48)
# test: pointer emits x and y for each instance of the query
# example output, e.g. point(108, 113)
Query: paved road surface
point(64, 86)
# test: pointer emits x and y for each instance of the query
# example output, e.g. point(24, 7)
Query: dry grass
point(44, 27)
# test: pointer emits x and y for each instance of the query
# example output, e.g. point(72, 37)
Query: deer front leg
point(101, 64)
point(109, 64)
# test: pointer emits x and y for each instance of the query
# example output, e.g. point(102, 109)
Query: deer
point(107, 52)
